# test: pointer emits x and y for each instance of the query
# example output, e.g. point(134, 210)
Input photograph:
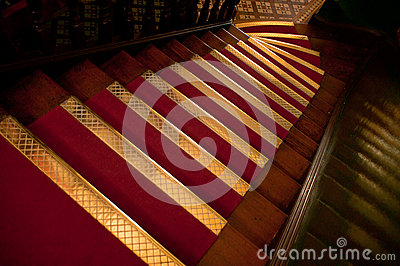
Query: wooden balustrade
point(56, 26)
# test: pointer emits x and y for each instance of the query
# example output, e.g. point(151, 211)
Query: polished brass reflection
point(274, 67)
point(180, 139)
point(144, 164)
point(206, 118)
point(267, 75)
point(288, 45)
point(288, 55)
point(268, 51)
point(229, 107)
point(264, 23)
point(261, 87)
point(250, 98)
point(87, 196)
point(278, 35)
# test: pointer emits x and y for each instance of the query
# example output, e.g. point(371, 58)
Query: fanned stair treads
point(190, 153)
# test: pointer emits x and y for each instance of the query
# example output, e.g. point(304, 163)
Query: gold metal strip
point(145, 165)
point(261, 87)
point(180, 139)
point(289, 55)
point(205, 118)
point(87, 196)
point(284, 63)
point(267, 75)
point(278, 35)
point(277, 69)
point(229, 107)
point(264, 23)
point(288, 45)
point(227, 82)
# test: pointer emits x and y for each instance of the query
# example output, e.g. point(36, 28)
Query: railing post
point(191, 13)
point(214, 12)
point(149, 25)
point(76, 25)
point(42, 38)
point(105, 21)
point(204, 12)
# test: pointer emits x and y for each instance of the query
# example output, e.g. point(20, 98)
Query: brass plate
point(250, 98)
point(180, 139)
point(278, 35)
point(205, 118)
point(264, 23)
point(288, 55)
point(267, 75)
point(269, 52)
point(87, 196)
point(229, 107)
point(288, 45)
point(144, 164)
point(261, 87)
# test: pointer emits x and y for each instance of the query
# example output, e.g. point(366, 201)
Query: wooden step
point(48, 226)
point(300, 140)
point(314, 131)
point(106, 104)
point(257, 237)
point(108, 172)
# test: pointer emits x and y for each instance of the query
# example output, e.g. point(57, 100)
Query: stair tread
point(256, 218)
point(109, 173)
point(38, 209)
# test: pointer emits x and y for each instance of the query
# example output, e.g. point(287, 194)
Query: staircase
point(125, 162)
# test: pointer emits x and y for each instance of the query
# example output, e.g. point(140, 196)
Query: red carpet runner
point(124, 171)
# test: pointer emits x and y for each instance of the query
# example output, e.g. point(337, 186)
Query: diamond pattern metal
point(291, 68)
point(206, 118)
point(261, 87)
point(180, 139)
point(145, 165)
point(267, 75)
point(229, 107)
point(250, 98)
point(88, 197)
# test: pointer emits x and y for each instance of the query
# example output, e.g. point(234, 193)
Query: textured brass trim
point(144, 164)
point(230, 108)
point(277, 69)
point(284, 63)
point(261, 87)
point(279, 35)
point(288, 55)
point(227, 82)
point(288, 45)
point(267, 75)
point(264, 23)
point(86, 196)
point(205, 118)
point(180, 139)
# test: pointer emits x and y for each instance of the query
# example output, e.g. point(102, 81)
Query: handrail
point(18, 68)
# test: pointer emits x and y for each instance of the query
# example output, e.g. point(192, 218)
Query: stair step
point(296, 39)
point(279, 190)
point(306, 54)
point(268, 26)
point(212, 102)
point(111, 104)
point(293, 72)
point(105, 169)
point(256, 214)
point(236, 106)
point(261, 75)
point(44, 203)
